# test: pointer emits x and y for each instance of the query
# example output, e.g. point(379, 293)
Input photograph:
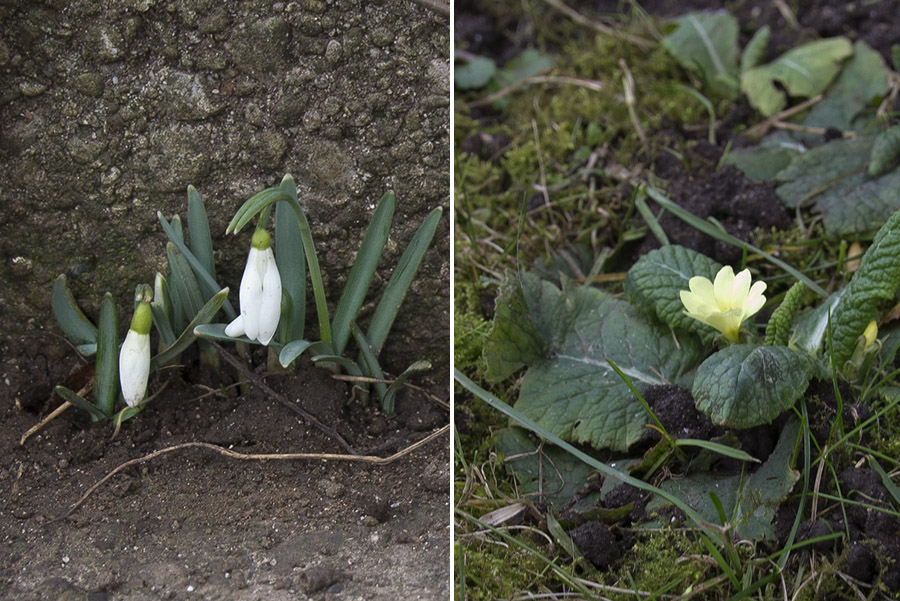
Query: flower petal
point(251, 293)
point(236, 328)
point(134, 367)
point(723, 287)
point(740, 288)
point(270, 302)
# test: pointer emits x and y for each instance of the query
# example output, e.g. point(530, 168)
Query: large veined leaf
point(863, 79)
point(513, 342)
point(658, 278)
point(833, 176)
point(571, 389)
point(803, 71)
point(872, 287)
point(764, 162)
point(706, 42)
point(749, 502)
point(745, 385)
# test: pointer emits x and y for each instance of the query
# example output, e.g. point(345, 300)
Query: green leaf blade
point(71, 319)
point(291, 263)
point(106, 368)
point(198, 228)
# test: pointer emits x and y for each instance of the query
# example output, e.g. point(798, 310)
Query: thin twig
point(308, 417)
point(545, 79)
point(372, 460)
point(598, 26)
point(762, 128)
point(56, 413)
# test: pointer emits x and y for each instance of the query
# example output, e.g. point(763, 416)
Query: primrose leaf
point(570, 389)
point(549, 471)
point(529, 63)
point(706, 43)
point(864, 78)
point(473, 74)
point(755, 49)
point(745, 385)
point(514, 340)
point(885, 151)
point(834, 177)
point(803, 71)
point(656, 282)
point(749, 502)
point(762, 163)
point(871, 288)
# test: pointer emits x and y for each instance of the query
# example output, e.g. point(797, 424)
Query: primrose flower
point(726, 303)
point(260, 293)
point(134, 358)
point(870, 333)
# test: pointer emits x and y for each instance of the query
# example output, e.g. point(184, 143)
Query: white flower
point(260, 293)
point(727, 303)
point(134, 358)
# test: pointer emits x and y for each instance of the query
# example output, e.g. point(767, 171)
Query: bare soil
point(195, 524)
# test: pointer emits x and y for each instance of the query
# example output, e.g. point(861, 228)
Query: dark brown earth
point(196, 524)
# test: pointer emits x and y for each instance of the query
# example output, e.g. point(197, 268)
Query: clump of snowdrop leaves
point(725, 303)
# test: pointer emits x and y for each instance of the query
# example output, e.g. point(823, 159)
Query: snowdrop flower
point(134, 358)
point(260, 293)
point(726, 303)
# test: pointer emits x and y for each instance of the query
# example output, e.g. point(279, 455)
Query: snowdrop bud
point(134, 358)
point(260, 293)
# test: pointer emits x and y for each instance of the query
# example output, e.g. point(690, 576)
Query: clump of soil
point(196, 522)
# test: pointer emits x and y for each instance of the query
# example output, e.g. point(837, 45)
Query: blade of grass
point(106, 369)
point(715, 232)
point(603, 468)
point(361, 273)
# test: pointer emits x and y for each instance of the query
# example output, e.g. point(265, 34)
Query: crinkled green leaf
point(748, 502)
point(657, 279)
point(573, 391)
point(885, 151)
point(871, 288)
point(833, 176)
point(803, 71)
point(811, 327)
point(706, 43)
point(863, 79)
point(558, 476)
point(474, 73)
point(745, 385)
point(778, 330)
point(514, 340)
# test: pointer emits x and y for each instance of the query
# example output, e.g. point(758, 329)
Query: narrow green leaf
point(253, 206)
point(348, 364)
point(755, 50)
point(198, 228)
point(203, 316)
point(295, 348)
point(161, 306)
point(387, 404)
point(361, 273)
point(398, 285)
point(207, 281)
point(292, 268)
point(106, 369)
point(183, 280)
point(72, 397)
point(73, 322)
point(216, 331)
point(371, 366)
point(716, 447)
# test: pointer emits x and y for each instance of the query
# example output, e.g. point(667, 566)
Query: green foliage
point(871, 288)
point(745, 385)
point(706, 42)
point(778, 330)
point(566, 338)
point(885, 151)
point(803, 71)
point(470, 329)
point(658, 278)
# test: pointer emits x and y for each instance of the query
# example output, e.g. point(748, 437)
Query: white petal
point(236, 328)
point(270, 303)
point(134, 367)
point(251, 293)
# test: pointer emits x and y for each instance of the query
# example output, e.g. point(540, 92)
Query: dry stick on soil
point(546, 79)
point(598, 26)
point(372, 460)
point(308, 417)
point(762, 128)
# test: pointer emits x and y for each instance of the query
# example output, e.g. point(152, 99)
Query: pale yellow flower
point(726, 303)
point(870, 333)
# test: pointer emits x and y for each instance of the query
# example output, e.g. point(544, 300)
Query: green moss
point(469, 329)
point(499, 572)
